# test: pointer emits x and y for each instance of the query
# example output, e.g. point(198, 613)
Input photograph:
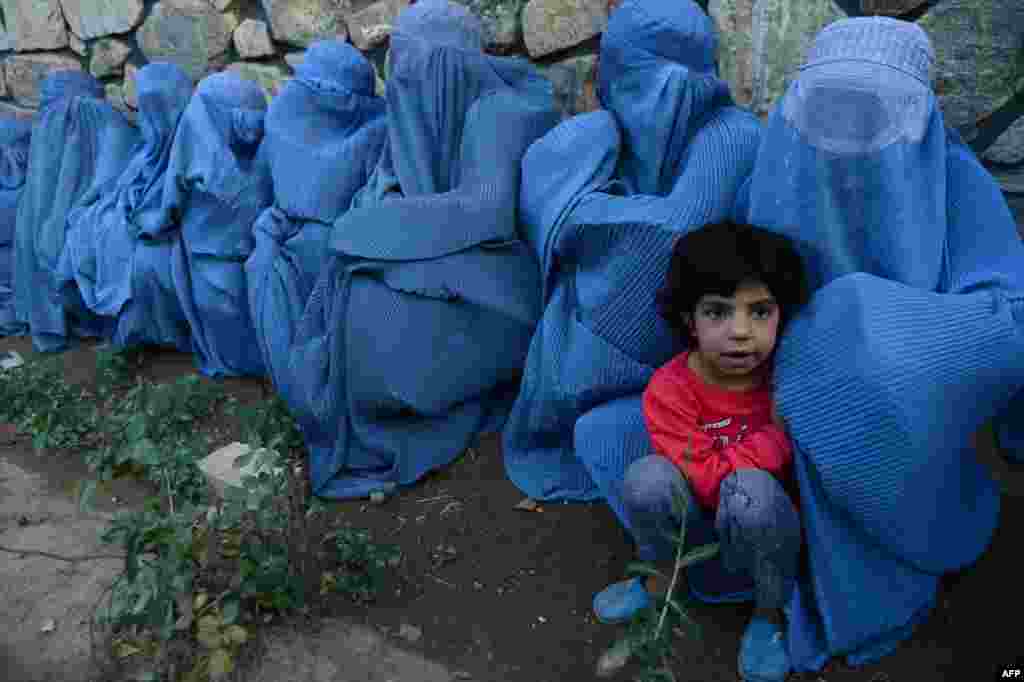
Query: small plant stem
point(675, 579)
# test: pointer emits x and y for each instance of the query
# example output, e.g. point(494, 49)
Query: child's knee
point(755, 503)
point(649, 483)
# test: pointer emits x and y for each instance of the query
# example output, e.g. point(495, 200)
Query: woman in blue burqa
point(324, 133)
point(217, 183)
point(79, 143)
point(114, 262)
point(15, 137)
point(912, 340)
point(604, 197)
point(416, 331)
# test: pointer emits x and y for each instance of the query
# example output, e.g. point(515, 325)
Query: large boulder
point(763, 42)
point(97, 18)
point(979, 64)
point(6, 37)
point(302, 22)
point(573, 83)
point(252, 39)
point(890, 8)
point(25, 73)
point(35, 24)
point(553, 25)
point(270, 77)
point(108, 57)
point(189, 33)
point(371, 26)
point(1008, 147)
point(129, 88)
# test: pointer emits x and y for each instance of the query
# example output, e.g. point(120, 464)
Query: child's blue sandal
point(764, 656)
point(619, 601)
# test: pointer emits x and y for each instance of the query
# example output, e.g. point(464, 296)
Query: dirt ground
point(505, 595)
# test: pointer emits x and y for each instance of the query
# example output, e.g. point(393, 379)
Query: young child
point(729, 291)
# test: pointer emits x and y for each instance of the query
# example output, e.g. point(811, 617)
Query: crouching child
point(718, 439)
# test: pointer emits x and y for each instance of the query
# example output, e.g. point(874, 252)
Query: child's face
point(736, 335)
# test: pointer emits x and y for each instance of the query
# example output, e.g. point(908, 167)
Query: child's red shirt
point(730, 429)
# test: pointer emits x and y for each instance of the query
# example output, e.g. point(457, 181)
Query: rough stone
point(371, 26)
point(3, 84)
point(301, 22)
point(77, 45)
point(763, 42)
point(1008, 147)
point(219, 467)
point(131, 97)
point(573, 83)
point(96, 18)
point(194, 36)
point(506, 30)
point(270, 77)
point(221, 5)
point(8, 109)
point(115, 95)
point(979, 50)
point(553, 25)
point(35, 24)
point(293, 59)
point(1011, 180)
point(252, 39)
point(6, 38)
point(891, 8)
point(379, 85)
point(108, 57)
point(25, 73)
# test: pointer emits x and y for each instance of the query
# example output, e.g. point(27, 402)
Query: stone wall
point(979, 45)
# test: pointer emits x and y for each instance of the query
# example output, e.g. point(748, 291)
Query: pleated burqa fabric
point(604, 197)
point(79, 144)
point(15, 138)
point(112, 263)
point(218, 182)
point(416, 332)
point(324, 133)
point(913, 338)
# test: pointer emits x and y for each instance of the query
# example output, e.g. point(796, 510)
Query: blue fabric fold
point(79, 145)
point(217, 184)
point(15, 138)
point(911, 341)
point(108, 265)
point(415, 333)
point(327, 128)
point(604, 197)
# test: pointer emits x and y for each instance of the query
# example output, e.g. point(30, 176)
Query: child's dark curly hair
point(716, 258)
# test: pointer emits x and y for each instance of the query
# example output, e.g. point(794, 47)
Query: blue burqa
point(112, 263)
point(913, 338)
point(417, 329)
point(217, 183)
point(604, 197)
point(15, 137)
point(79, 142)
point(324, 133)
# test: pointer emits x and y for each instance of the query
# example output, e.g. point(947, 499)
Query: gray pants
point(757, 525)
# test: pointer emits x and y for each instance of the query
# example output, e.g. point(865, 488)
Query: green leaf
point(243, 460)
point(136, 427)
point(698, 554)
point(85, 500)
point(230, 611)
point(636, 568)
